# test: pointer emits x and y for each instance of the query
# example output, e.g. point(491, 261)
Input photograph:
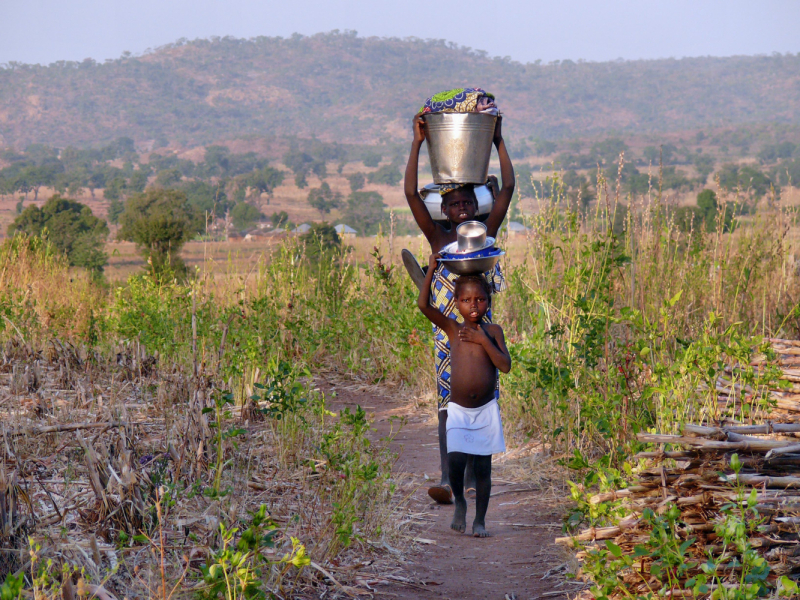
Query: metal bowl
point(471, 236)
point(471, 266)
point(452, 247)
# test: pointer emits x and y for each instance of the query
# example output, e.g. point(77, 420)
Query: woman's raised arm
point(411, 183)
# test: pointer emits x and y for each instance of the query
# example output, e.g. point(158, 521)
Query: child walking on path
point(459, 205)
point(474, 429)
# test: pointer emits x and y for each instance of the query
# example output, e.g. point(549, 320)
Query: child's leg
point(443, 447)
point(458, 462)
point(483, 480)
point(469, 477)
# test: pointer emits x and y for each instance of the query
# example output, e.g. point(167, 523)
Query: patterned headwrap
point(446, 188)
point(459, 100)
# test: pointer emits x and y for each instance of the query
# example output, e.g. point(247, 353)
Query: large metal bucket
point(459, 146)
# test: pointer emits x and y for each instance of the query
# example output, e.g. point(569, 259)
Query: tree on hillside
point(245, 214)
point(168, 178)
point(321, 239)
point(704, 216)
point(115, 209)
point(70, 226)
point(264, 181)
point(160, 222)
point(747, 178)
point(608, 151)
point(524, 181)
point(372, 158)
point(138, 181)
point(356, 181)
point(324, 199)
point(217, 159)
point(365, 211)
point(115, 188)
point(43, 175)
point(301, 164)
point(94, 181)
point(207, 198)
point(545, 147)
point(279, 219)
point(386, 175)
point(705, 166)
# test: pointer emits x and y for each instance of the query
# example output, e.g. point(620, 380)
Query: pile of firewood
point(693, 471)
point(700, 481)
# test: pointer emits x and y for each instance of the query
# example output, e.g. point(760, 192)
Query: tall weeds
point(620, 319)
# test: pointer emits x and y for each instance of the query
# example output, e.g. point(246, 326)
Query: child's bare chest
point(468, 355)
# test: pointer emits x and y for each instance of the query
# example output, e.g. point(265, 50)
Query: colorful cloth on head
point(444, 299)
point(446, 188)
point(459, 100)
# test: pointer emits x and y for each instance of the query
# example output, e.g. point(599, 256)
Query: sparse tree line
point(164, 202)
point(224, 184)
point(657, 168)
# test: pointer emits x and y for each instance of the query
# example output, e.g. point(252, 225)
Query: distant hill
point(343, 87)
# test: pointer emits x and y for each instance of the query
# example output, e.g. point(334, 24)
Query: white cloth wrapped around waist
point(475, 430)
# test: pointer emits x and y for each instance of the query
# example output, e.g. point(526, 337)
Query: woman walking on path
point(459, 204)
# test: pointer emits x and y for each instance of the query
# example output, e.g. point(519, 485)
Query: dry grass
point(117, 459)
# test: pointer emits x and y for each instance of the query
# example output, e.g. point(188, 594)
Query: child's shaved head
point(478, 280)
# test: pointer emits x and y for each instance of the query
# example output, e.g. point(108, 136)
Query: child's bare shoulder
point(493, 329)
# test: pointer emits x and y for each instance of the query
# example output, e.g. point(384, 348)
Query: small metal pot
point(471, 236)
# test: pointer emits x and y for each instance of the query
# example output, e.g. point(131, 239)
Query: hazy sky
point(43, 31)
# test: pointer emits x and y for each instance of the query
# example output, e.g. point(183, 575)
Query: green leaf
point(613, 548)
point(685, 545)
point(787, 587)
point(675, 298)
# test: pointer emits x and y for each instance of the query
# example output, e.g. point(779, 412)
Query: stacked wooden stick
point(695, 475)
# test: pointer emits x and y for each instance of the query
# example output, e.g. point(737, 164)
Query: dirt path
point(519, 561)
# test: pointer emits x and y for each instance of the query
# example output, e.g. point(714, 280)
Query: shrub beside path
point(520, 560)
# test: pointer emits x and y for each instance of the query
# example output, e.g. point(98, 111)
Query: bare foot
point(479, 530)
point(460, 517)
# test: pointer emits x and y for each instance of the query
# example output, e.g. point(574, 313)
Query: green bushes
point(706, 216)
point(71, 227)
point(617, 334)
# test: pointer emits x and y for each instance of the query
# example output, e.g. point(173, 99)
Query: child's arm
point(503, 200)
point(424, 301)
point(493, 342)
point(410, 184)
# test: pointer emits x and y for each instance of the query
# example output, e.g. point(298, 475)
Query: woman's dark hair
point(476, 279)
